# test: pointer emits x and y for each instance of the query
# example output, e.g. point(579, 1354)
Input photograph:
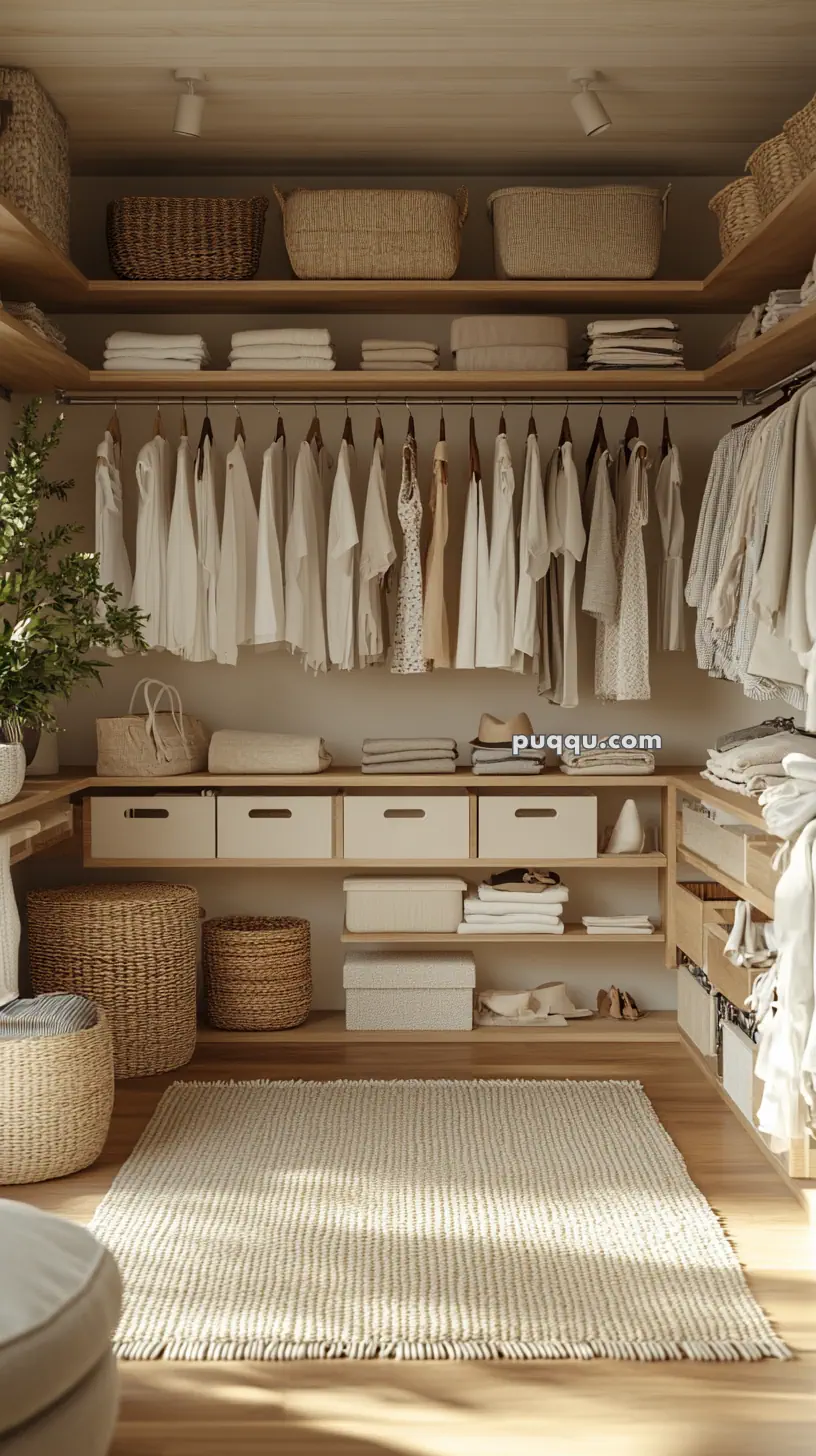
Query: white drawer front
point(738, 1059)
point(275, 826)
point(538, 826)
point(152, 826)
point(696, 1013)
point(428, 827)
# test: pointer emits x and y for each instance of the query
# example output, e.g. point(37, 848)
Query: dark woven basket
point(217, 239)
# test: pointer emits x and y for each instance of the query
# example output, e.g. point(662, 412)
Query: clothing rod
point(799, 376)
point(249, 397)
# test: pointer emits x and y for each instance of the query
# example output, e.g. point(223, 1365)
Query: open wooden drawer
point(697, 904)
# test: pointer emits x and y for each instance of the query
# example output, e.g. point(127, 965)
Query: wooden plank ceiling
point(691, 85)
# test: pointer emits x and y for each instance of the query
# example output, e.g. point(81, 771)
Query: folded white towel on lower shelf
point(554, 895)
point(303, 337)
point(521, 926)
point(127, 341)
point(620, 929)
point(137, 363)
point(371, 366)
point(275, 365)
point(248, 352)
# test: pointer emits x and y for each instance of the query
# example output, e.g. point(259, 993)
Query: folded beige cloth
point(371, 346)
point(509, 766)
point(525, 357)
point(609, 761)
point(274, 364)
point(412, 766)
point(417, 745)
point(234, 751)
point(480, 329)
point(281, 351)
point(281, 336)
point(400, 754)
point(397, 352)
point(410, 366)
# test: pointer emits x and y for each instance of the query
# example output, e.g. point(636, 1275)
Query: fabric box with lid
point(404, 992)
point(412, 903)
point(274, 826)
point(538, 827)
point(151, 826)
point(399, 826)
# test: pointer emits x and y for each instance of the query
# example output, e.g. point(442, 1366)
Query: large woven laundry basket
point(56, 1094)
point(257, 972)
point(373, 233)
point(35, 172)
point(215, 239)
point(800, 130)
point(775, 169)
point(737, 210)
point(577, 232)
point(131, 948)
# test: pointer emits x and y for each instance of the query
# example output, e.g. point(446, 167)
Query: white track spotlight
point(587, 105)
point(190, 106)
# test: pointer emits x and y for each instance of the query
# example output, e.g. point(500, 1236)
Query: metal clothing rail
point(247, 397)
point(799, 376)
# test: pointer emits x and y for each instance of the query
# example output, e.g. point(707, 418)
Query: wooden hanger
point(348, 433)
point(206, 434)
point(632, 433)
point(239, 433)
point(280, 432)
point(665, 439)
point(157, 424)
point(411, 432)
point(442, 424)
point(565, 438)
point(502, 423)
point(379, 432)
point(598, 442)
point(115, 428)
point(532, 428)
point(313, 434)
point(475, 462)
point(183, 422)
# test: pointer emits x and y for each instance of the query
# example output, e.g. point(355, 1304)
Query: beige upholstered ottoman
point(60, 1304)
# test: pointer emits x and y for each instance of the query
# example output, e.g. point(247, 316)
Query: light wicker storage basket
point(800, 130)
point(56, 1093)
point(577, 232)
point(737, 210)
point(131, 948)
point(215, 239)
point(775, 169)
point(35, 172)
point(373, 233)
point(257, 972)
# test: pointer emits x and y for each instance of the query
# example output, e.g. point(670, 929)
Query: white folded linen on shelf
point(137, 363)
point(618, 922)
point(619, 930)
point(126, 341)
point(509, 927)
point(788, 807)
point(608, 760)
point(517, 905)
point(603, 327)
point(782, 302)
point(480, 359)
point(632, 359)
point(546, 895)
point(401, 356)
point(173, 351)
point(305, 337)
point(412, 766)
point(503, 751)
point(281, 351)
point(487, 330)
point(753, 752)
point(396, 755)
point(273, 364)
point(734, 787)
point(408, 366)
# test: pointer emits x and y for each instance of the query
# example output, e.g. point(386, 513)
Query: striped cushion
point(52, 1015)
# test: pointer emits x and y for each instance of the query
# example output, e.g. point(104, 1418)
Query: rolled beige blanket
point(235, 751)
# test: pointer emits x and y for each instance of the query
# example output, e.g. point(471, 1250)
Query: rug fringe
point(261, 1350)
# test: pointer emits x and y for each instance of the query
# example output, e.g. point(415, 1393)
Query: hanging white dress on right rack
point(472, 637)
point(341, 564)
point(534, 558)
point(235, 596)
point(187, 632)
point(209, 544)
point(623, 644)
point(305, 618)
point(671, 627)
point(601, 583)
point(270, 611)
point(152, 525)
point(114, 565)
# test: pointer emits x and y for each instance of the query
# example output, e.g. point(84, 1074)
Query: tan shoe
point(630, 1007)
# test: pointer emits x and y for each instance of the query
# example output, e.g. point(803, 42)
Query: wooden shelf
point(785, 348)
point(323, 1028)
point(352, 777)
point(29, 362)
point(737, 887)
point(31, 266)
point(573, 934)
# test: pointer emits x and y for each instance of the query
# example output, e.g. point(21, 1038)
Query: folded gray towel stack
point(409, 755)
point(500, 759)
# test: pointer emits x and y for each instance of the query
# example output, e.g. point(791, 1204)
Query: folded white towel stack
point(272, 350)
point(408, 354)
point(155, 353)
point(494, 912)
point(519, 342)
point(757, 764)
point(643, 343)
point(618, 925)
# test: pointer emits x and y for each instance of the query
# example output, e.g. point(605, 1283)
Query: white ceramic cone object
point(628, 836)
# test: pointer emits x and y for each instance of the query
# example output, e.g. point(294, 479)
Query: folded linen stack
point(618, 924)
point(407, 354)
point(409, 755)
point(281, 349)
point(493, 911)
point(782, 302)
point(609, 761)
point(644, 343)
point(509, 342)
point(34, 318)
point(162, 353)
point(499, 758)
point(756, 765)
point(807, 293)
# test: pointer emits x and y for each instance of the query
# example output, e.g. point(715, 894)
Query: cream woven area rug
point(420, 1220)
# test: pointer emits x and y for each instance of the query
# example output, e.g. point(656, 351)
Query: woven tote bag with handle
point(151, 743)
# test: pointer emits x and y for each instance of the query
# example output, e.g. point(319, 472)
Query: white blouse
point(305, 620)
point(152, 526)
point(341, 564)
point(270, 611)
point(235, 595)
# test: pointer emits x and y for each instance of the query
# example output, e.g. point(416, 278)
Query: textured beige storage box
point(696, 904)
point(577, 232)
point(404, 992)
point(274, 826)
point(406, 826)
point(152, 826)
point(403, 904)
point(722, 845)
point(696, 1013)
point(35, 172)
point(738, 1061)
point(523, 827)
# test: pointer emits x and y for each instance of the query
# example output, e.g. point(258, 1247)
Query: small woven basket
point(132, 949)
point(373, 232)
point(56, 1093)
point(736, 208)
point(257, 972)
point(800, 131)
point(776, 171)
point(215, 239)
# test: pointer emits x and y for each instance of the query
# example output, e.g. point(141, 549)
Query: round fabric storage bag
point(257, 972)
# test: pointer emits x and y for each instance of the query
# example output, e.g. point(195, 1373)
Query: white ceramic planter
point(12, 771)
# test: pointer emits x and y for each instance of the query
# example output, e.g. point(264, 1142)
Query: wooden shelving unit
point(29, 362)
point(324, 1028)
point(737, 887)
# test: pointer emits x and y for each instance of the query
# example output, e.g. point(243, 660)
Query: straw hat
point(496, 731)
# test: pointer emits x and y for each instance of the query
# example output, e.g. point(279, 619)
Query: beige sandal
point(609, 1003)
point(630, 1007)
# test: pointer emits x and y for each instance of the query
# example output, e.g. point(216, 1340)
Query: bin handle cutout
point(147, 813)
point(536, 813)
point(404, 814)
point(270, 814)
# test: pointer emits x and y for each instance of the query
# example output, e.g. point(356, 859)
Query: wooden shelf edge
point(326, 1027)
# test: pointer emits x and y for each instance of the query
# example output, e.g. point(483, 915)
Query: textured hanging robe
point(601, 584)
point(235, 597)
point(500, 610)
point(341, 563)
point(187, 628)
point(270, 609)
point(623, 644)
point(435, 629)
point(209, 544)
point(671, 628)
point(567, 543)
point(472, 645)
point(152, 526)
point(534, 558)
point(114, 565)
point(377, 556)
point(409, 655)
point(305, 619)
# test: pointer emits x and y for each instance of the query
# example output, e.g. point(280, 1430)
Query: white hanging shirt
point(499, 614)
point(623, 644)
point(209, 545)
point(377, 556)
point(472, 639)
point(187, 634)
point(341, 564)
point(305, 621)
point(152, 526)
point(534, 556)
point(671, 627)
point(270, 611)
point(235, 595)
point(114, 565)
point(567, 542)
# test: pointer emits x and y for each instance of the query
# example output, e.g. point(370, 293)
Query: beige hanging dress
point(500, 614)
point(623, 644)
point(209, 543)
point(152, 527)
point(601, 585)
point(671, 628)
point(341, 562)
point(534, 558)
point(567, 542)
point(409, 655)
point(235, 593)
point(435, 629)
point(377, 556)
point(472, 644)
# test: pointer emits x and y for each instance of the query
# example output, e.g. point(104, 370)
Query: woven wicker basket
point(577, 232)
point(257, 972)
point(35, 173)
point(56, 1093)
point(800, 131)
point(132, 949)
point(737, 210)
point(376, 233)
point(217, 239)
point(775, 169)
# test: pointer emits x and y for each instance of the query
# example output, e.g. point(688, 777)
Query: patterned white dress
point(622, 659)
point(409, 654)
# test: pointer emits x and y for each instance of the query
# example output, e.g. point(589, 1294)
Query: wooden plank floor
point(337, 1408)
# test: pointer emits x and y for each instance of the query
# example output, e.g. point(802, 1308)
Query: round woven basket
point(800, 131)
point(257, 972)
point(737, 210)
point(184, 238)
point(132, 949)
point(776, 171)
point(56, 1093)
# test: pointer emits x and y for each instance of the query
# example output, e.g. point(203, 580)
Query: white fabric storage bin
point(696, 1012)
point(723, 845)
point(152, 826)
point(524, 827)
point(274, 826)
point(404, 992)
point(406, 826)
point(738, 1060)
point(403, 904)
